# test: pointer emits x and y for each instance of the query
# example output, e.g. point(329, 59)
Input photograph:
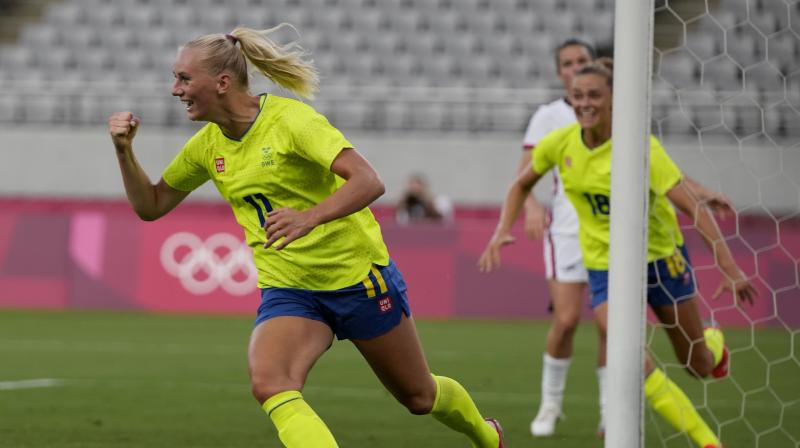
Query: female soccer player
point(558, 228)
point(582, 153)
point(300, 192)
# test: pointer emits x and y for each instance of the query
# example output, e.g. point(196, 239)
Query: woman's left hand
point(739, 285)
point(286, 223)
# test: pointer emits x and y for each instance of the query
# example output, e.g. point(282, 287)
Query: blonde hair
point(282, 64)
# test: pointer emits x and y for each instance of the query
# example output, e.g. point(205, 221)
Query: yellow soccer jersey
point(586, 174)
point(284, 160)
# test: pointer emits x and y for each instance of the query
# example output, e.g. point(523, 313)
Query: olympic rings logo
point(222, 260)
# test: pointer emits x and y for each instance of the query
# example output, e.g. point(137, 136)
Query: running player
point(558, 228)
point(300, 192)
point(582, 153)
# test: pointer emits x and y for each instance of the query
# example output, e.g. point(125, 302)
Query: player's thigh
point(284, 348)
point(398, 360)
point(600, 312)
point(567, 300)
point(684, 327)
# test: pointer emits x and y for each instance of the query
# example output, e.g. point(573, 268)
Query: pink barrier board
point(99, 255)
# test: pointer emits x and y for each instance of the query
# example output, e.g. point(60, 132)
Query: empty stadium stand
point(395, 65)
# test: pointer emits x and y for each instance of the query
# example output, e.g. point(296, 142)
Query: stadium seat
point(763, 81)
point(723, 73)
point(705, 45)
point(41, 36)
point(745, 45)
point(782, 51)
point(10, 111)
point(743, 116)
point(678, 68)
point(44, 108)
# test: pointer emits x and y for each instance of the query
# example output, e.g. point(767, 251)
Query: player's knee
point(263, 388)
point(567, 323)
point(419, 403)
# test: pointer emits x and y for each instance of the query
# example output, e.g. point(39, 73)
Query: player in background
point(300, 192)
point(582, 153)
point(558, 228)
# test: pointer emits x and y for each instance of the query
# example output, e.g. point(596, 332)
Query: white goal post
point(633, 40)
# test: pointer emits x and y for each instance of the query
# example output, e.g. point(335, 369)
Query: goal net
point(725, 101)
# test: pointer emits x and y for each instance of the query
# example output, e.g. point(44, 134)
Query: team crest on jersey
point(568, 161)
point(266, 157)
point(385, 304)
point(219, 164)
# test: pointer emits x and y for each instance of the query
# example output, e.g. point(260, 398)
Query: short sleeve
point(664, 174)
point(539, 126)
point(544, 158)
point(187, 170)
point(315, 138)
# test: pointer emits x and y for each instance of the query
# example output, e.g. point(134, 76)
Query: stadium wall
point(472, 168)
point(68, 254)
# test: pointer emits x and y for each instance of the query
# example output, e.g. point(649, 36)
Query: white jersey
point(547, 118)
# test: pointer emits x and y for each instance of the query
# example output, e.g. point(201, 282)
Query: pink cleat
point(496, 425)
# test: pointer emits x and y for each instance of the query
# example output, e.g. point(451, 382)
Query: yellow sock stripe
point(381, 284)
point(279, 400)
point(671, 267)
point(369, 287)
point(438, 392)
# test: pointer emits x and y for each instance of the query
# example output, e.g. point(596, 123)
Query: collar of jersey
point(262, 101)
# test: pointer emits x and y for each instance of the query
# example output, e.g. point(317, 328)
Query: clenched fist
point(122, 127)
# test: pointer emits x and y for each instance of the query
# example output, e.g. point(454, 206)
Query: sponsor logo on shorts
point(572, 267)
point(385, 304)
point(219, 163)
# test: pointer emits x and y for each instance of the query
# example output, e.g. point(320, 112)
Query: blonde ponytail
point(282, 64)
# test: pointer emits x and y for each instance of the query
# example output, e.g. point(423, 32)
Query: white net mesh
point(726, 105)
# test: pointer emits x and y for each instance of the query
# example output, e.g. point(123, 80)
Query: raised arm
point(734, 279)
point(362, 187)
point(520, 189)
point(149, 201)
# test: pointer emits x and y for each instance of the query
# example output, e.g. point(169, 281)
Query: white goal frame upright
point(633, 43)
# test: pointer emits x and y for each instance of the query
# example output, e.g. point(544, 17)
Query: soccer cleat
point(721, 369)
point(496, 425)
point(544, 425)
point(601, 429)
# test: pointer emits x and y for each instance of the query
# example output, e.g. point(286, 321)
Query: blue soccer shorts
point(669, 280)
point(365, 310)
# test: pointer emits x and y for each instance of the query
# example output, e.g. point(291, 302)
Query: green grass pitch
point(139, 380)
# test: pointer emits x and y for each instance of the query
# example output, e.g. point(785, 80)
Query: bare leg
point(685, 330)
point(399, 362)
point(567, 299)
point(282, 351)
point(567, 303)
point(601, 319)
